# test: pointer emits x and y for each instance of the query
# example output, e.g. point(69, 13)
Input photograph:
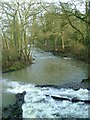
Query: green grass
point(13, 66)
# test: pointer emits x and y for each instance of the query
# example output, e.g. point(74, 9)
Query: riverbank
point(69, 54)
point(14, 65)
point(76, 51)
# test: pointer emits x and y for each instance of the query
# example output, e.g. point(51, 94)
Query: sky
point(81, 8)
point(42, 0)
point(57, 0)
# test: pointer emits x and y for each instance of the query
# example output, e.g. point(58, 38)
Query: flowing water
point(47, 69)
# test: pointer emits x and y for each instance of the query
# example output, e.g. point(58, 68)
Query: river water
point(47, 69)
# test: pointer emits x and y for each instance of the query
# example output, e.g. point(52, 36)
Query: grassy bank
point(13, 66)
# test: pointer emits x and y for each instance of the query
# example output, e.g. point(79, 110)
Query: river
point(47, 69)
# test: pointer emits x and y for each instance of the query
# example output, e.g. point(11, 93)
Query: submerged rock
point(14, 112)
point(42, 85)
point(20, 98)
point(75, 99)
point(86, 80)
point(71, 85)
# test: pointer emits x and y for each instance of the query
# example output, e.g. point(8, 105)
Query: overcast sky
point(39, 0)
point(81, 8)
point(58, 0)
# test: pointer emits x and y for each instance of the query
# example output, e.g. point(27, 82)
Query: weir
point(41, 78)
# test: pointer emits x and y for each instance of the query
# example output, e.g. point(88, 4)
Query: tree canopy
point(50, 26)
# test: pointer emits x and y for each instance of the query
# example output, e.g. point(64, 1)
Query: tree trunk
point(55, 43)
point(62, 38)
point(25, 43)
point(89, 40)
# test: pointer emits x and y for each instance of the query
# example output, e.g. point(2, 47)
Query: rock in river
point(14, 112)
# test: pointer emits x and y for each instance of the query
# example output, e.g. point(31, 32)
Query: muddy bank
point(14, 112)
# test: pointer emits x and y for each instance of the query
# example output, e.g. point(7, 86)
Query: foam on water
point(38, 105)
point(16, 87)
point(67, 58)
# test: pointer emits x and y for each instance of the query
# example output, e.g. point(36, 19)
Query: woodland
point(61, 27)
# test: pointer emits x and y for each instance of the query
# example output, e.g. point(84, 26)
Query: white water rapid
point(38, 105)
